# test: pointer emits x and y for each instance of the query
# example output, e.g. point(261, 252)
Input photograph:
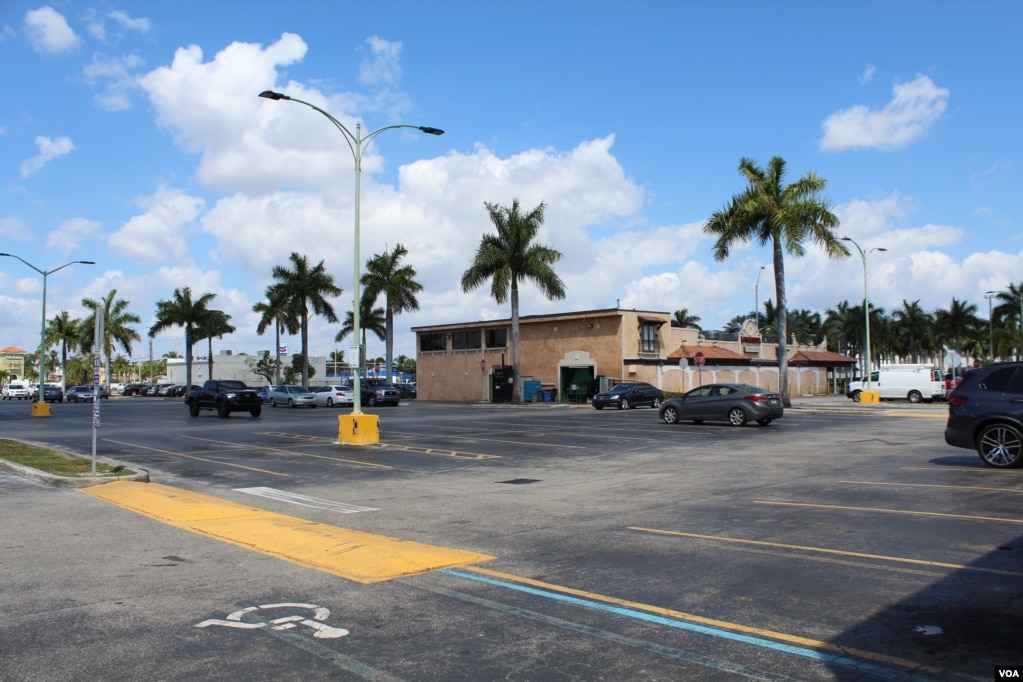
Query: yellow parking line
point(824, 550)
point(890, 511)
point(925, 415)
point(711, 622)
point(354, 555)
point(934, 485)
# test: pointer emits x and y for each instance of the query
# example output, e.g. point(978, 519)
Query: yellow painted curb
point(354, 555)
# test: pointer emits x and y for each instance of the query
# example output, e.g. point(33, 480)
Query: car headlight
point(230, 396)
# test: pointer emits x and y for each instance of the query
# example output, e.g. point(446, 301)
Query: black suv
point(378, 392)
point(625, 396)
point(985, 412)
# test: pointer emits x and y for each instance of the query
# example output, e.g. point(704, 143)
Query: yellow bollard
point(870, 397)
point(358, 429)
point(40, 409)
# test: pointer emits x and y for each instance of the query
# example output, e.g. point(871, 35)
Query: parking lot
point(610, 547)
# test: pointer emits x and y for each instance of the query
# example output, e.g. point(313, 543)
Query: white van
point(913, 383)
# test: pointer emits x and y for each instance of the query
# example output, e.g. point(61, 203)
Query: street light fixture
point(356, 143)
point(866, 300)
point(41, 408)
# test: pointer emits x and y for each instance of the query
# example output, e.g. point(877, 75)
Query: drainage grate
point(521, 481)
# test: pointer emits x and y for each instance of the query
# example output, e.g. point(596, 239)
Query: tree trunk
point(517, 385)
point(782, 313)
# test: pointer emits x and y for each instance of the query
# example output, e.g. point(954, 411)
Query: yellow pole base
point(40, 409)
point(870, 397)
point(358, 429)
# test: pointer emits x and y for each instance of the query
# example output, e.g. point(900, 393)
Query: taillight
point(758, 398)
point(956, 400)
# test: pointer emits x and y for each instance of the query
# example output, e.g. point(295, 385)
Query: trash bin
point(548, 396)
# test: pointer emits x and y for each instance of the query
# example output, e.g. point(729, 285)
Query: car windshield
point(232, 385)
point(297, 389)
point(621, 388)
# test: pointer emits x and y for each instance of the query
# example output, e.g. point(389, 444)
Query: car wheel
point(656, 403)
point(330, 402)
point(373, 401)
point(1001, 446)
point(291, 403)
point(737, 416)
point(855, 397)
point(915, 396)
point(256, 411)
point(670, 415)
point(624, 405)
point(273, 402)
point(193, 409)
point(222, 411)
point(764, 422)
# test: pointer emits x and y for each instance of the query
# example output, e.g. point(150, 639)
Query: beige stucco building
point(568, 355)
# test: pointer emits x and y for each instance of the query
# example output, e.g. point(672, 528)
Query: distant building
point(227, 365)
point(12, 360)
point(572, 355)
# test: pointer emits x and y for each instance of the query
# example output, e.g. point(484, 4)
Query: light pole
point(41, 408)
point(756, 296)
point(990, 324)
point(866, 300)
point(356, 143)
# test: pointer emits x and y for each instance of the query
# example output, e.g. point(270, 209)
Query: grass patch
point(55, 463)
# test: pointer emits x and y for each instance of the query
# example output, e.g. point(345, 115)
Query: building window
point(433, 342)
point(648, 338)
point(497, 338)
point(466, 340)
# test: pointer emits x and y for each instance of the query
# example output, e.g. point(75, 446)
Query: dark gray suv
point(985, 412)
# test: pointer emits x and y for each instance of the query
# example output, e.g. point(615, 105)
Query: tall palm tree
point(216, 323)
point(683, 319)
point(913, 327)
point(770, 212)
point(283, 316)
point(370, 320)
point(1009, 311)
point(64, 331)
point(182, 311)
point(508, 257)
point(301, 288)
point(115, 326)
point(386, 275)
point(957, 324)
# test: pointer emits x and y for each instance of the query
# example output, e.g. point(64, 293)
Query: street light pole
point(42, 409)
point(990, 324)
point(756, 296)
point(356, 143)
point(866, 301)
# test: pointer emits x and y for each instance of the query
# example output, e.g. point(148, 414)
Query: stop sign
point(483, 365)
point(698, 359)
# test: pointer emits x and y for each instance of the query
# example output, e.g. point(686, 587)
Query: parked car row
point(734, 403)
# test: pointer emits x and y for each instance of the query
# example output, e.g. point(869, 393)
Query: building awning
point(820, 358)
point(650, 319)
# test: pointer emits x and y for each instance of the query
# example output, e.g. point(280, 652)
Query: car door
point(697, 403)
point(1003, 393)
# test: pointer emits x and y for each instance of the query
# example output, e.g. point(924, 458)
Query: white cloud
point(49, 31)
point(383, 66)
point(867, 75)
point(118, 72)
point(48, 150)
point(159, 234)
point(915, 107)
point(13, 228)
point(142, 25)
point(71, 235)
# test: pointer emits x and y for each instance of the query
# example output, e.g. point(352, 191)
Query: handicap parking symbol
point(313, 619)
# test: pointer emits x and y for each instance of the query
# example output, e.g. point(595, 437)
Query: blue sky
point(132, 135)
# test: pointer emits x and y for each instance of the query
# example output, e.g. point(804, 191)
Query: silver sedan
point(330, 396)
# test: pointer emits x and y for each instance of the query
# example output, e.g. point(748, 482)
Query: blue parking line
point(813, 654)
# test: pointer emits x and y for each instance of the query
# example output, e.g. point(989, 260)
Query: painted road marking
point(792, 644)
point(320, 614)
point(391, 446)
point(890, 511)
point(266, 448)
point(925, 415)
point(825, 550)
point(304, 500)
point(933, 485)
point(354, 555)
point(200, 459)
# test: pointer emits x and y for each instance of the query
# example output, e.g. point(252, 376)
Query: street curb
point(70, 481)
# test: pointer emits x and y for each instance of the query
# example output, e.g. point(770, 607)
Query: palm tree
point(683, 319)
point(115, 326)
point(913, 328)
point(182, 311)
point(769, 212)
point(370, 319)
point(300, 288)
point(284, 319)
point(65, 331)
point(957, 324)
point(1008, 312)
point(385, 275)
point(506, 258)
point(215, 324)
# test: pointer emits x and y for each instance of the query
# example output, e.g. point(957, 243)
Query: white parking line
point(304, 500)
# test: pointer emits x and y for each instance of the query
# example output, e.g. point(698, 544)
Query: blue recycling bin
point(548, 396)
